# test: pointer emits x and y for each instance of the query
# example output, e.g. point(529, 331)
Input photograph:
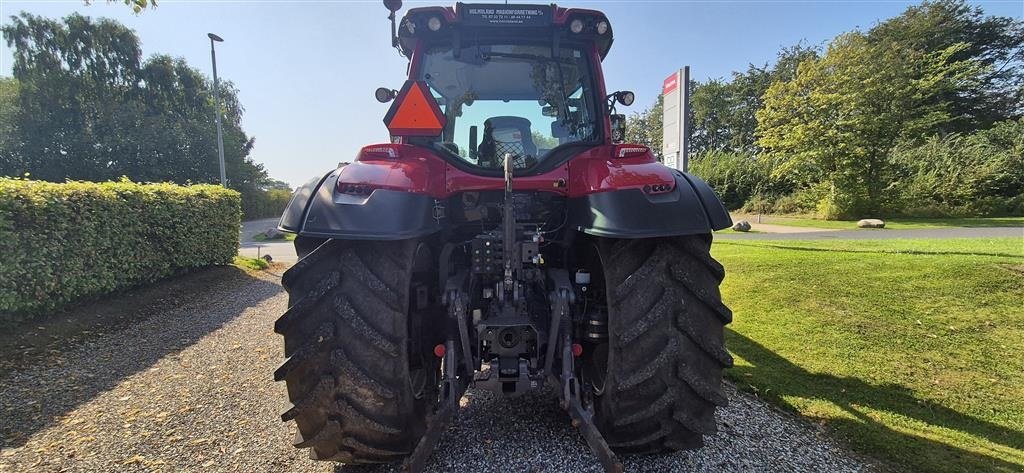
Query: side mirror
point(618, 127)
point(385, 95)
point(624, 97)
point(393, 5)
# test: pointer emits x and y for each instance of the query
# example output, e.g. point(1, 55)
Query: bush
point(963, 175)
point(737, 177)
point(60, 242)
point(258, 204)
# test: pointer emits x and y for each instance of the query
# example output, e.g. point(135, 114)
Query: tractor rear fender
point(628, 194)
point(691, 207)
point(316, 210)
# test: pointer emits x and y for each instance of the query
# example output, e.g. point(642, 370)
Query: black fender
point(316, 210)
point(691, 208)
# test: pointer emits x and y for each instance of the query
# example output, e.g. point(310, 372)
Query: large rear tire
point(664, 360)
point(360, 373)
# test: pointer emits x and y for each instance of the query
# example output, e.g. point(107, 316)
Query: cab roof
point(501, 21)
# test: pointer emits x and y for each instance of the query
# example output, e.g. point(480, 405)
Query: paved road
point(189, 388)
point(873, 234)
point(280, 251)
point(252, 227)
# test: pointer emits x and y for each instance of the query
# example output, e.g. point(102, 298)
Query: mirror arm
point(394, 33)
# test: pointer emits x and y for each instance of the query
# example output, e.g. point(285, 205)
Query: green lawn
point(254, 264)
point(895, 223)
point(910, 351)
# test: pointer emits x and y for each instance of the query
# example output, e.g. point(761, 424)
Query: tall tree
point(997, 43)
point(723, 114)
point(836, 121)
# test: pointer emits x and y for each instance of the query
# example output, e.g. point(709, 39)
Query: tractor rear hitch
point(452, 389)
point(583, 417)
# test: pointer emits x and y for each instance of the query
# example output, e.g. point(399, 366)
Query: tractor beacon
point(505, 238)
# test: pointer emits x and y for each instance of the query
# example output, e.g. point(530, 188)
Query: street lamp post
point(216, 98)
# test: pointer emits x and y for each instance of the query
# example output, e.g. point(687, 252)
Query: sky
point(306, 69)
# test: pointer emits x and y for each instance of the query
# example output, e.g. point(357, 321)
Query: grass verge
point(911, 351)
point(261, 237)
point(896, 223)
point(254, 264)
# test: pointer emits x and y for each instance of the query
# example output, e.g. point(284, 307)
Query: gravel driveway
point(189, 389)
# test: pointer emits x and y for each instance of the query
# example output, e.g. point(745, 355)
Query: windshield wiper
point(533, 57)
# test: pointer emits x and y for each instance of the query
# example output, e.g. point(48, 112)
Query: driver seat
point(507, 135)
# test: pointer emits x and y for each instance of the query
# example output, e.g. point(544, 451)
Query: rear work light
point(434, 23)
point(589, 24)
point(576, 26)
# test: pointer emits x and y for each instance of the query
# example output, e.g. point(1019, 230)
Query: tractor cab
point(517, 80)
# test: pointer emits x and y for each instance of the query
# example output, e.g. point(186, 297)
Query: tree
point(542, 141)
point(90, 109)
point(275, 184)
point(712, 112)
point(723, 114)
point(997, 43)
point(9, 136)
point(835, 122)
point(136, 5)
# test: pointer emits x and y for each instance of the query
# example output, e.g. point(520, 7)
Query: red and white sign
point(670, 83)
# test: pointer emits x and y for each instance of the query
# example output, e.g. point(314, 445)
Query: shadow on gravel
point(494, 433)
point(52, 365)
point(869, 435)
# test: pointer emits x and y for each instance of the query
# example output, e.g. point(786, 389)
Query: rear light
point(659, 188)
point(388, 151)
point(361, 190)
point(631, 151)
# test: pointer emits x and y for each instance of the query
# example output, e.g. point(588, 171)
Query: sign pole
point(684, 119)
point(675, 139)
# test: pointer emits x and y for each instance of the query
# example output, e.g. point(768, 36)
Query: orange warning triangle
point(415, 112)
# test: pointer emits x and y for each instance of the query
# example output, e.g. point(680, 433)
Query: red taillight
point(355, 189)
point(659, 188)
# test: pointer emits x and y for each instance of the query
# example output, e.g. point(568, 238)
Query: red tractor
point(506, 238)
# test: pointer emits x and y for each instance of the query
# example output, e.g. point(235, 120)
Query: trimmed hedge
point(258, 204)
point(60, 242)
